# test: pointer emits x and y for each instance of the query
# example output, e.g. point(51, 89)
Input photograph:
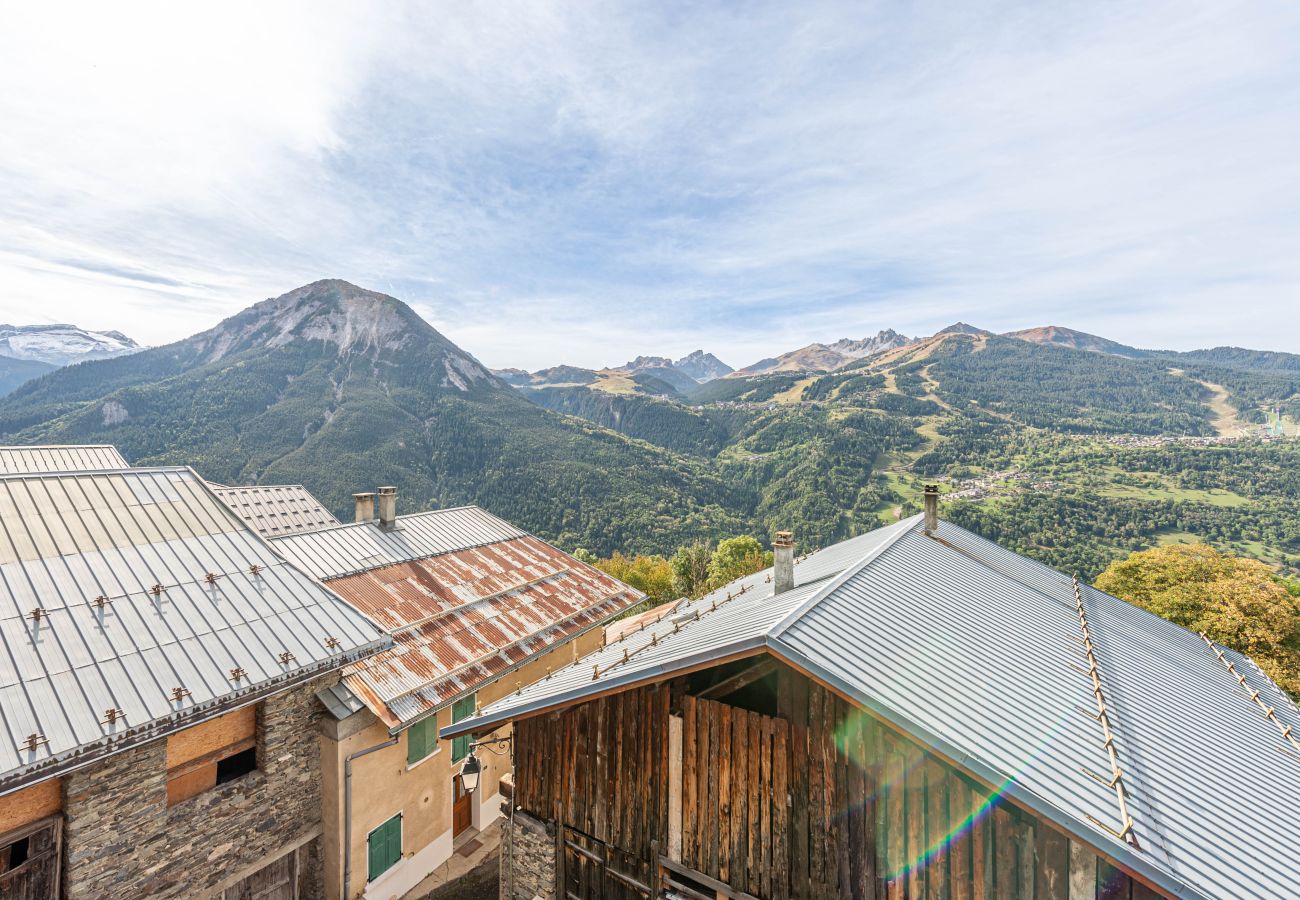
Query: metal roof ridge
point(849, 571)
point(128, 470)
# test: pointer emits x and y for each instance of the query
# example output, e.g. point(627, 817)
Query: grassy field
point(1174, 494)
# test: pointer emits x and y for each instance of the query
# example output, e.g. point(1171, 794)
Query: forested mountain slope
point(343, 389)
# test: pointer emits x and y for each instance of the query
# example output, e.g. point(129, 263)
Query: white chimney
point(782, 562)
point(931, 508)
point(365, 506)
point(387, 507)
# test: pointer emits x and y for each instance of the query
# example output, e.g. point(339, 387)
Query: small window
point(384, 847)
point(461, 709)
point(213, 752)
point(14, 855)
point(421, 740)
point(232, 767)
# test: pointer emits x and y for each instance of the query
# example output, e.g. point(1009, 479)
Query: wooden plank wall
point(600, 769)
point(735, 766)
point(821, 801)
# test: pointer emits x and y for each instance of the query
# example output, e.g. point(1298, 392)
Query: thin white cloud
point(583, 182)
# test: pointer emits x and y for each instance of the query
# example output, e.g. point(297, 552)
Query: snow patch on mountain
point(62, 344)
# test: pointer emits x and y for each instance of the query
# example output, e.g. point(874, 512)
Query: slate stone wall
point(532, 845)
point(122, 840)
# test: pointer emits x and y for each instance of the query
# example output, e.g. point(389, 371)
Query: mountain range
point(28, 351)
point(341, 389)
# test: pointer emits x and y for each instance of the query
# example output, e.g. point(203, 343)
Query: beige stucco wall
point(383, 785)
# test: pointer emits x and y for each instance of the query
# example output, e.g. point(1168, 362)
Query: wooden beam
point(675, 788)
point(741, 679)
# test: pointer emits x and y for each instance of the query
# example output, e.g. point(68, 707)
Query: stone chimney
point(365, 506)
point(931, 508)
point(387, 507)
point(782, 562)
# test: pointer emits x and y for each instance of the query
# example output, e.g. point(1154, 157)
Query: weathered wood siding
point(821, 801)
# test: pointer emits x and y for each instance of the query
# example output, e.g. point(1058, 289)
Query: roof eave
point(623, 681)
point(86, 754)
point(387, 716)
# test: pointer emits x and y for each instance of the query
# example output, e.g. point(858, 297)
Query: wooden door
point(462, 812)
point(278, 881)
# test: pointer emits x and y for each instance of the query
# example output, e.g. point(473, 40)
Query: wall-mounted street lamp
point(471, 770)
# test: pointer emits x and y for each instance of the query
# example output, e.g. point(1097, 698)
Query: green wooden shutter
point(385, 846)
point(421, 740)
point(461, 709)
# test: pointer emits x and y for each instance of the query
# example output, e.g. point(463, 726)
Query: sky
point(585, 182)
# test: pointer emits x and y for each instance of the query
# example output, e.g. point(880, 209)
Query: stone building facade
point(529, 848)
point(122, 839)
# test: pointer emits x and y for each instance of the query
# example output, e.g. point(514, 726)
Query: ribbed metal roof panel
point(60, 458)
point(276, 509)
point(347, 549)
point(189, 593)
point(977, 652)
point(980, 647)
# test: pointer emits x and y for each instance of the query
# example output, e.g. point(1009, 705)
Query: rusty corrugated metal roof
point(275, 509)
point(467, 616)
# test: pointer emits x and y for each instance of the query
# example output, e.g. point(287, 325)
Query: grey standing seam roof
point(60, 458)
point(145, 540)
point(976, 652)
point(359, 547)
point(275, 509)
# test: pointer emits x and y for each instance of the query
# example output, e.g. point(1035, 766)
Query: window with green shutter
point(385, 847)
point(461, 709)
point(421, 740)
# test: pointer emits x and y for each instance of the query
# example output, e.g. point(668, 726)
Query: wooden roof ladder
point(1116, 781)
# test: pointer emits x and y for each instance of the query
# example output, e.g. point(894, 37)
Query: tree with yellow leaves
point(1237, 602)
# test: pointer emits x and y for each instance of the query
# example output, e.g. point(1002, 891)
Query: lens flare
point(895, 777)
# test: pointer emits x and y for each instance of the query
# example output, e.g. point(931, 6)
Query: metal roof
point(977, 652)
point(60, 458)
point(466, 596)
point(145, 583)
point(465, 617)
point(275, 509)
point(346, 549)
point(340, 701)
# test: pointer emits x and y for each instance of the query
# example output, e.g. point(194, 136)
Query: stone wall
point(122, 840)
point(530, 845)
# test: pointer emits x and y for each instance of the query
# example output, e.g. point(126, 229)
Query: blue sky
point(582, 183)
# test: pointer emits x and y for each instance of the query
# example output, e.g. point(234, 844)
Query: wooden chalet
point(912, 713)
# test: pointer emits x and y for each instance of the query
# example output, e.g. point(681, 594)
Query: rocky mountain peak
point(886, 339)
point(703, 366)
point(963, 328)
